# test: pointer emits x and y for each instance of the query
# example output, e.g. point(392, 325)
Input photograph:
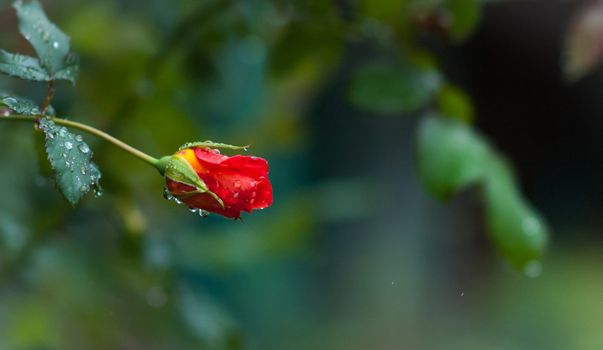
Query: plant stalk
point(90, 130)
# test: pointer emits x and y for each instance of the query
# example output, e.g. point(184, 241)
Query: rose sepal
point(179, 170)
point(211, 144)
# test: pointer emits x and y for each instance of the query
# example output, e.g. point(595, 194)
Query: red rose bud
point(205, 180)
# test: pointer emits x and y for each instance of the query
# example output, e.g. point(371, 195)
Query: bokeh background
point(354, 253)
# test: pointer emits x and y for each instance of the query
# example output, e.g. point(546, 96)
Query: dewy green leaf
point(19, 105)
point(71, 69)
point(71, 161)
point(23, 106)
point(450, 155)
point(49, 42)
point(393, 88)
point(519, 233)
point(21, 66)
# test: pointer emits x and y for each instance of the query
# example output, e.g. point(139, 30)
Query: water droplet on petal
point(55, 44)
point(237, 184)
point(84, 188)
point(68, 145)
point(79, 138)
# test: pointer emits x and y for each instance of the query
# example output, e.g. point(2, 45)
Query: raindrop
point(203, 213)
point(83, 170)
point(167, 194)
point(84, 188)
point(9, 101)
point(237, 184)
point(62, 132)
point(83, 148)
point(79, 138)
point(68, 145)
point(236, 195)
point(55, 44)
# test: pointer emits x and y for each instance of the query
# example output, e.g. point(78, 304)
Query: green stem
point(91, 130)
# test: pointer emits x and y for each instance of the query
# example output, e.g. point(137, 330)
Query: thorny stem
point(49, 96)
point(90, 130)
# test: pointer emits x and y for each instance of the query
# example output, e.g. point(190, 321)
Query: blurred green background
point(354, 253)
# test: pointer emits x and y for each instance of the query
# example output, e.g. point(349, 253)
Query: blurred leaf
point(207, 320)
point(49, 42)
point(450, 155)
point(582, 48)
point(455, 103)
point(70, 157)
point(516, 229)
point(21, 66)
point(389, 88)
point(465, 17)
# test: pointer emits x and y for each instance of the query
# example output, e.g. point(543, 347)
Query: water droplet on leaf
point(84, 148)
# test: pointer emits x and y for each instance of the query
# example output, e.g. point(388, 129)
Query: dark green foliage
point(393, 88)
point(71, 160)
point(455, 103)
point(465, 17)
